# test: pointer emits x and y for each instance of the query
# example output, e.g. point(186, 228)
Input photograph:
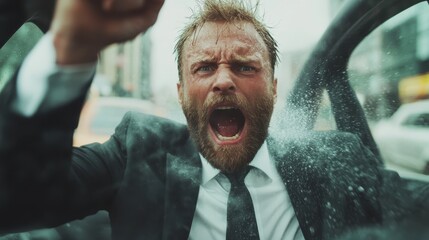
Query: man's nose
point(224, 82)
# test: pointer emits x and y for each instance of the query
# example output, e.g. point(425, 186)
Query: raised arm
point(43, 181)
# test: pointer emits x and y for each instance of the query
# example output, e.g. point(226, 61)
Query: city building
point(125, 68)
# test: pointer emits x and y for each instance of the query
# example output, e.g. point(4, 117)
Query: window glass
point(388, 69)
point(417, 120)
point(422, 120)
point(391, 66)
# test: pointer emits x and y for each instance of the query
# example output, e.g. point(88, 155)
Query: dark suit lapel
point(182, 186)
point(301, 181)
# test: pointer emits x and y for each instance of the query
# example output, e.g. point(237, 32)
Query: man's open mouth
point(227, 124)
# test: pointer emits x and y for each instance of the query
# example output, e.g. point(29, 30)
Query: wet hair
point(229, 11)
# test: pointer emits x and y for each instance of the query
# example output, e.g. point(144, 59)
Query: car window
point(417, 120)
point(391, 66)
point(388, 69)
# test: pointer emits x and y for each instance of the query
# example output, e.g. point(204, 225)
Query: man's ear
point(180, 92)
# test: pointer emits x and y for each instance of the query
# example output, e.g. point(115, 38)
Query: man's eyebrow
point(204, 57)
point(245, 60)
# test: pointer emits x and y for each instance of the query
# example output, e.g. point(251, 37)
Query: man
point(163, 180)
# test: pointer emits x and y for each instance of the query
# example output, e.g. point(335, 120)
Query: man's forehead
point(240, 38)
point(246, 52)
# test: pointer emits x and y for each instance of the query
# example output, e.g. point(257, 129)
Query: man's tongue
point(226, 122)
point(227, 128)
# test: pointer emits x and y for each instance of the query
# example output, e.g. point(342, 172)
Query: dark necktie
point(241, 220)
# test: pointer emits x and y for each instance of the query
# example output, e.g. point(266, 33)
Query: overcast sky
point(295, 24)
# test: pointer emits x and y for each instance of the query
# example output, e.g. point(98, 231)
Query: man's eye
point(206, 68)
point(244, 68)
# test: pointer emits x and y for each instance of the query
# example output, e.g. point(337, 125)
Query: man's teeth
point(220, 137)
point(225, 108)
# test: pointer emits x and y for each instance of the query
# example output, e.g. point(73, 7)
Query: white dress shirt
point(274, 213)
point(42, 85)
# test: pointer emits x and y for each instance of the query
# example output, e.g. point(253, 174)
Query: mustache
point(233, 100)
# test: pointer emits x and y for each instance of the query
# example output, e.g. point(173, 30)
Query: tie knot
point(237, 178)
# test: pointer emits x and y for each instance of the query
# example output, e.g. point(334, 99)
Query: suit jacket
point(147, 176)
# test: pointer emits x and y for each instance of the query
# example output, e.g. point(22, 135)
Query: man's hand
point(82, 28)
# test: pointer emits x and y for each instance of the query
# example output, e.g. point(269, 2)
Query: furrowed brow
point(245, 61)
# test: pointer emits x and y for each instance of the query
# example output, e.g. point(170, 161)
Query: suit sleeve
point(44, 182)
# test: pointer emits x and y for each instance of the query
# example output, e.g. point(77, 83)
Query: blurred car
point(403, 139)
point(100, 116)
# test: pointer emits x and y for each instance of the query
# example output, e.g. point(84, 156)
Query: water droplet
point(328, 204)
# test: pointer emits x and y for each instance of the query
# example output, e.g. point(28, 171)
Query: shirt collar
point(209, 172)
point(261, 161)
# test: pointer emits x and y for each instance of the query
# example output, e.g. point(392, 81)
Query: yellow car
point(101, 115)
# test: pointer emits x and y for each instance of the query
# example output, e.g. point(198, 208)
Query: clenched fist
point(82, 28)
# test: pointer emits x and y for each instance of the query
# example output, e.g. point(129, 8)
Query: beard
point(230, 157)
